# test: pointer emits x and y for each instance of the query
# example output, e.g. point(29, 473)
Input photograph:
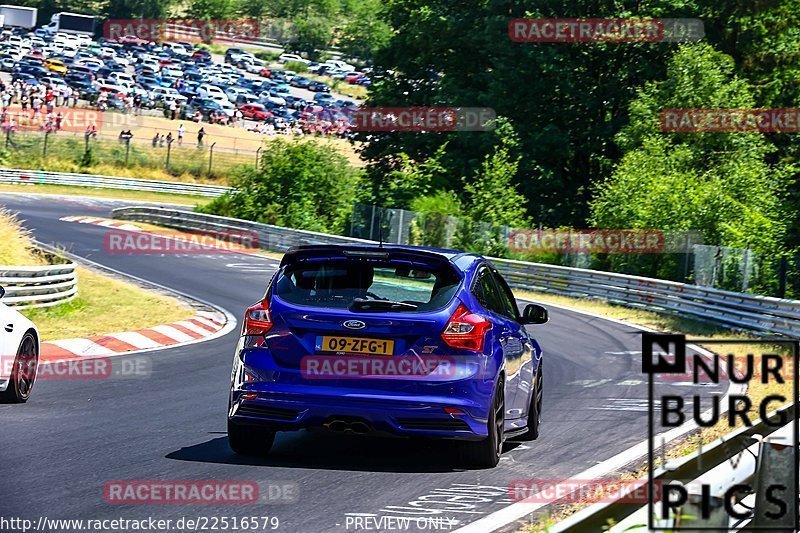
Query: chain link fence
point(680, 257)
point(212, 157)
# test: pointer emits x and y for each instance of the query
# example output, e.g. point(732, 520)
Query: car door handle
point(9, 327)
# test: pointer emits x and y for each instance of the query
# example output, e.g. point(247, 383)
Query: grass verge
point(114, 194)
point(16, 244)
point(106, 305)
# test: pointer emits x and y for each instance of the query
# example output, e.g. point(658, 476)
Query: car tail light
point(465, 330)
point(257, 320)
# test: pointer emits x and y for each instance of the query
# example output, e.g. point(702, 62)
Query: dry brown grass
point(16, 244)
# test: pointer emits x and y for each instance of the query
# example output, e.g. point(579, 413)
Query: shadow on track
point(324, 451)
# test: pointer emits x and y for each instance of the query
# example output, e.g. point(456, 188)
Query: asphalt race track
point(58, 451)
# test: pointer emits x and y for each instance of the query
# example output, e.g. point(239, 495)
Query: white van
point(340, 65)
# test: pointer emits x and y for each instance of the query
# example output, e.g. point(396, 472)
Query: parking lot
point(171, 80)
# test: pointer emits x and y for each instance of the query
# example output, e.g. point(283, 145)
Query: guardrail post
point(210, 157)
point(44, 150)
point(169, 151)
point(8, 137)
point(776, 468)
point(127, 150)
point(258, 153)
point(782, 278)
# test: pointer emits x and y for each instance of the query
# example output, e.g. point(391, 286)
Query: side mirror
point(534, 314)
point(2, 291)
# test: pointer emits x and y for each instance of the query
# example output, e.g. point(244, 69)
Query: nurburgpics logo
point(729, 388)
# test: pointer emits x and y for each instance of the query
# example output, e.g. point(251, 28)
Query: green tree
point(134, 9)
point(566, 101)
point(365, 31)
point(313, 35)
point(492, 195)
point(718, 183)
point(410, 180)
point(211, 9)
point(299, 184)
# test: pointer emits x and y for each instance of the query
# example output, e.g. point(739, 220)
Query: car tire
point(250, 440)
point(23, 373)
point(535, 408)
point(486, 453)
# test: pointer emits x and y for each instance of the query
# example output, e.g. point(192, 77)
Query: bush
point(296, 66)
point(300, 184)
point(267, 55)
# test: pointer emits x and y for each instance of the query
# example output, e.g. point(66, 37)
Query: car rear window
point(350, 284)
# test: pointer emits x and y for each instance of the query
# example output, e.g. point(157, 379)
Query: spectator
point(36, 105)
point(75, 96)
point(200, 135)
point(156, 138)
point(125, 136)
point(181, 131)
point(169, 138)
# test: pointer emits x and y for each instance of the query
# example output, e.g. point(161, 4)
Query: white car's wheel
point(23, 374)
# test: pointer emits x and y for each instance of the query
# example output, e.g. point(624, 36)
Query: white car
point(272, 98)
point(168, 94)
point(121, 78)
point(287, 58)
point(19, 355)
point(254, 66)
point(211, 91)
point(228, 108)
point(339, 65)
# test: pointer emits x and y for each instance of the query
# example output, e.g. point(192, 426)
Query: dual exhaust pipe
point(343, 426)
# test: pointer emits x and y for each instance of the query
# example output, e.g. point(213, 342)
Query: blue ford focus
point(387, 340)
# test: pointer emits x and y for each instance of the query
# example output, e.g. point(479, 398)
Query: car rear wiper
point(364, 305)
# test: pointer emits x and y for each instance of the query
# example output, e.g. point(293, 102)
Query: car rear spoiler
point(299, 254)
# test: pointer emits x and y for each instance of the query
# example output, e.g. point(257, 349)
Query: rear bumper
point(283, 400)
point(382, 414)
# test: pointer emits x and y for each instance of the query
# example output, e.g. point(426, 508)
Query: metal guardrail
point(272, 238)
point(14, 175)
point(759, 463)
point(38, 286)
point(735, 310)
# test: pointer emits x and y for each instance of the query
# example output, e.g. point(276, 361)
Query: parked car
point(292, 58)
point(255, 111)
point(318, 87)
point(300, 81)
point(55, 65)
